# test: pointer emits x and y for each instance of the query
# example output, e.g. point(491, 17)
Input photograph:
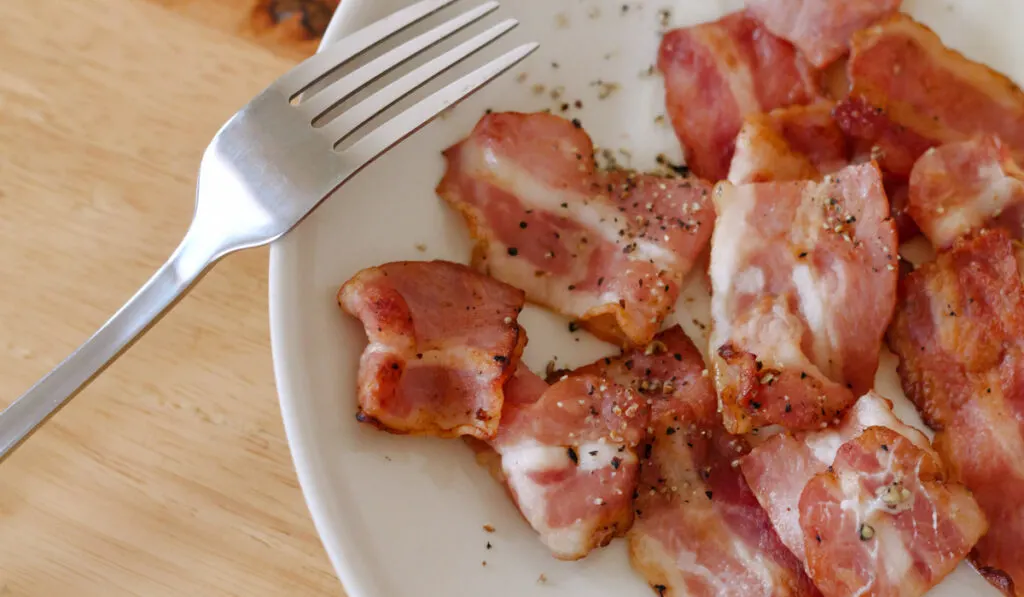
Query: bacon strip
point(609, 249)
point(865, 505)
point(959, 334)
point(699, 531)
point(910, 93)
point(794, 341)
point(794, 143)
point(716, 74)
point(569, 459)
point(883, 521)
point(443, 339)
point(820, 29)
point(779, 469)
point(958, 188)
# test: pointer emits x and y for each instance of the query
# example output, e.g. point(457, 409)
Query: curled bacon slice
point(779, 469)
point(699, 530)
point(716, 74)
point(884, 521)
point(959, 334)
point(958, 188)
point(793, 143)
point(609, 249)
point(569, 459)
point(910, 92)
point(443, 339)
point(820, 29)
point(794, 341)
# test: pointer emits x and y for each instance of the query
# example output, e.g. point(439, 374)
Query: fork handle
point(185, 266)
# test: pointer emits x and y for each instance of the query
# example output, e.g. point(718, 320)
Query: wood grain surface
point(170, 475)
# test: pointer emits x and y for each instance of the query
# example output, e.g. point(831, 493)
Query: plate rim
point(282, 252)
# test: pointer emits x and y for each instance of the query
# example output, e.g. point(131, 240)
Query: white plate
point(403, 517)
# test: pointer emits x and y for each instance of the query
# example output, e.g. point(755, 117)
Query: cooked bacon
point(959, 334)
point(669, 373)
point(443, 339)
point(608, 249)
point(794, 341)
point(958, 188)
point(820, 29)
point(569, 459)
point(716, 74)
point(910, 92)
point(794, 143)
point(779, 469)
point(884, 521)
point(699, 531)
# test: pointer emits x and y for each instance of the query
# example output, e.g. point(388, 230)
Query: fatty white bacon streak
point(959, 188)
point(443, 339)
point(792, 143)
point(568, 457)
point(608, 249)
point(793, 339)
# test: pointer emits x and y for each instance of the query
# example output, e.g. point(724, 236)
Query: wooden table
point(170, 475)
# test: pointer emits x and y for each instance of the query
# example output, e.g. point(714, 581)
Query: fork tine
point(343, 126)
point(321, 64)
point(340, 90)
point(364, 151)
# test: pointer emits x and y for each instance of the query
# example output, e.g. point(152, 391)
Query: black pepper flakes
point(512, 251)
point(576, 121)
point(573, 326)
point(573, 456)
point(678, 356)
point(499, 358)
point(708, 493)
point(616, 463)
point(522, 225)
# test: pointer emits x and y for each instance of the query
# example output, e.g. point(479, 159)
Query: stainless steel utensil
point(271, 165)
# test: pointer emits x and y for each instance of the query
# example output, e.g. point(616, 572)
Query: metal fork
point(269, 167)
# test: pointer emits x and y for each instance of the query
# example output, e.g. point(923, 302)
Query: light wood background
point(170, 475)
